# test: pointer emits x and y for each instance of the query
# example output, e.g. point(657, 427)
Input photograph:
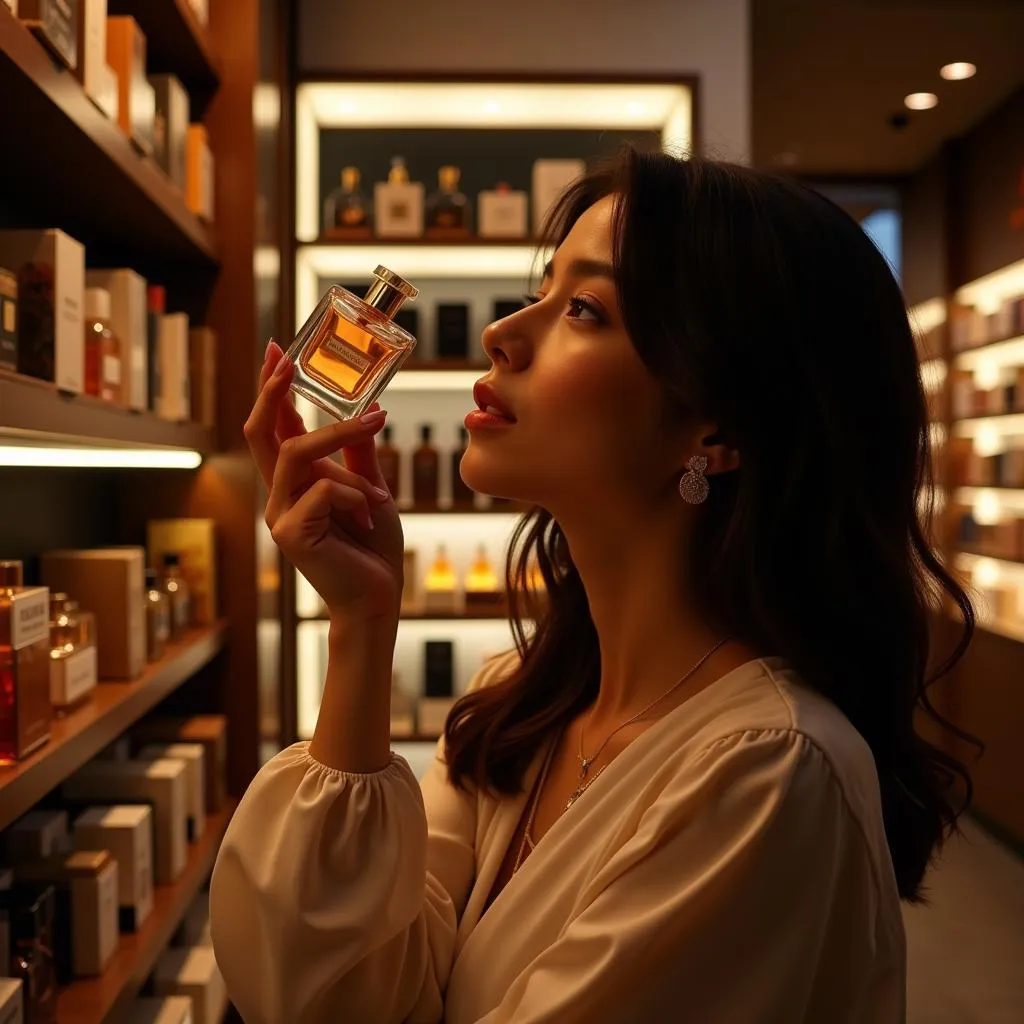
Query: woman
point(695, 792)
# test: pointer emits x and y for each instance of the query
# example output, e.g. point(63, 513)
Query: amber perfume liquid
point(425, 464)
point(350, 348)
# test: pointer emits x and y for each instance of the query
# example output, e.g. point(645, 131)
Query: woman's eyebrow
point(584, 268)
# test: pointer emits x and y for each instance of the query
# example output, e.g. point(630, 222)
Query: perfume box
point(51, 317)
point(126, 54)
point(72, 677)
point(171, 127)
point(194, 929)
point(12, 1008)
point(111, 581)
point(199, 173)
point(167, 1010)
point(210, 731)
point(55, 24)
point(550, 179)
point(92, 46)
point(162, 784)
point(432, 713)
point(174, 400)
point(25, 709)
point(128, 321)
point(156, 301)
point(8, 320)
point(398, 209)
point(195, 542)
point(202, 357)
point(194, 973)
point(438, 658)
point(86, 920)
point(502, 213)
point(37, 835)
point(126, 830)
point(452, 330)
point(193, 756)
point(108, 96)
point(440, 601)
point(506, 307)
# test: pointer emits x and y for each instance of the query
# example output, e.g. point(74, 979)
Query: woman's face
point(586, 409)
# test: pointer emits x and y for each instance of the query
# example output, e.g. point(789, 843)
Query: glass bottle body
point(425, 464)
point(102, 361)
point(72, 663)
point(346, 354)
point(447, 208)
point(179, 598)
point(158, 619)
point(346, 208)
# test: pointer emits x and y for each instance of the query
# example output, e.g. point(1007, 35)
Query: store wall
point(926, 232)
point(707, 38)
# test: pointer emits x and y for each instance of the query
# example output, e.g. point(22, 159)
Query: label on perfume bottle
point(348, 354)
point(111, 370)
point(30, 617)
point(72, 677)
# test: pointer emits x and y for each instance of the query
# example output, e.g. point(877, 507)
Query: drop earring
point(693, 485)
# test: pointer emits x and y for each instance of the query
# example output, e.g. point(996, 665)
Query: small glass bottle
point(425, 471)
point(72, 666)
point(346, 208)
point(389, 458)
point(179, 596)
point(350, 348)
point(462, 494)
point(32, 943)
point(447, 210)
point(102, 348)
point(158, 618)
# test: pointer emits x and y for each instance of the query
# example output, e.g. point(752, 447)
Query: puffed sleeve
point(747, 895)
point(337, 896)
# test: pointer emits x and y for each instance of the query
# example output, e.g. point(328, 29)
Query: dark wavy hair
point(763, 307)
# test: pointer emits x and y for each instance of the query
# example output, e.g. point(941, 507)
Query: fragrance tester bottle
point(346, 210)
point(350, 348)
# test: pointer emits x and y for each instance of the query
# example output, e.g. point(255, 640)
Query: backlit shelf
point(997, 354)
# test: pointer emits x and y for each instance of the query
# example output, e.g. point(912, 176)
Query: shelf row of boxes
point(1005, 395)
point(969, 468)
point(1001, 539)
point(971, 327)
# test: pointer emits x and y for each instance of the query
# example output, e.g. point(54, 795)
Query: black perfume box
point(438, 667)
point(55, 24)
point(452, 330)
point(506, 307)
point(8, 320)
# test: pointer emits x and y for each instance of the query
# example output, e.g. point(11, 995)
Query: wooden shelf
point(176, 44)
point(988, 416)
point(95, 1000)
point(114, 707)
point(996, 558)
point(986, 344)
point(36, 410)
point(476, 616)
point(474, 242)
point(81, 173)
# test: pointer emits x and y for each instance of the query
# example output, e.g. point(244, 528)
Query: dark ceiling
point(828, 75)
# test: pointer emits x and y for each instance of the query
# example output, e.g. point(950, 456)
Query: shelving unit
point(104, 999)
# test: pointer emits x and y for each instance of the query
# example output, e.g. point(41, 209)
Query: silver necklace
point(586, 762)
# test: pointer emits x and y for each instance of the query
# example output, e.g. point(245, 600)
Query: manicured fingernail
point(373, 419)
point(282, 365)
point(266, 351)
point(380, 494)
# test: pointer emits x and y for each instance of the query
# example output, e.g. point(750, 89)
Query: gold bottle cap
point(11, 574)
point(389, 292)
point(448, 177)
point(350, 178)
point(399, 173)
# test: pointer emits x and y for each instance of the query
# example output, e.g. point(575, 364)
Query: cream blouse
point(728, 867)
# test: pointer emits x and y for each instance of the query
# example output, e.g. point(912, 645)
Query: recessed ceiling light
point(921, 100)
point(957, 71)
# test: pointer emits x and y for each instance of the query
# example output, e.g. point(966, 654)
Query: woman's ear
point(722, 458)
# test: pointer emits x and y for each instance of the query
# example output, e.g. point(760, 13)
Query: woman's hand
point(338, 526)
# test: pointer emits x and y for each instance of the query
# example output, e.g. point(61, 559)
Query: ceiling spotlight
point(957, 71)
point(921, 100)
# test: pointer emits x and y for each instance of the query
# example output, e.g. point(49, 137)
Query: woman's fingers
point(306, 523)
point(261, 427)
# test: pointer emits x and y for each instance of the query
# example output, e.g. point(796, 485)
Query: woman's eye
point(580, 306)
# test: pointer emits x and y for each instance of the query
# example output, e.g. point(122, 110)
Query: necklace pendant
point(584, 765)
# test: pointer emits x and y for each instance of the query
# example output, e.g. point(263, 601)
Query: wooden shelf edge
point(113, 709)
point(94, 1000)
point(468, 243)
point(36, 410)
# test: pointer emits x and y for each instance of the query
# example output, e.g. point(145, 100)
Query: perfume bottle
point(462, 495)
point(158, 618)
point(439, 588)
point(447, 209)
point(102, 348)
point(25, 709)
point(350, 348)
point(346, 209)
point(72, 662)
point(389, 459)
point(179, 596)
point(398, 203)
point(482, 587)
point(32, 912)
point(425, 471)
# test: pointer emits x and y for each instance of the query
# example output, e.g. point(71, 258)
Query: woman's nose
point(504, 342)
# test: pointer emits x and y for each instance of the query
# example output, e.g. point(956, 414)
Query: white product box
point(174, 402)
point(128, 321)
point(193, 756)
point(57, 352)
point(159, 783)
point(398, 209)
point(37, 835)
point(107, 97)
point(193, 972)
point(11, 1003)
point(170, 1010)
point(127, 832)
point(93, 914)
point(92, 47)
point(550, 179)
point(502, 213)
